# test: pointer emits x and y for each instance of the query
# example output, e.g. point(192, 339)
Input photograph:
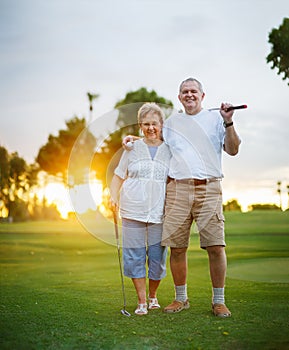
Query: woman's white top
point(142, 195)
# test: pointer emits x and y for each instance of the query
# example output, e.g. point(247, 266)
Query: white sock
point(181, 293)
point(218, 295)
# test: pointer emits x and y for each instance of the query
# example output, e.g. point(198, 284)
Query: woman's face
point(151, 126)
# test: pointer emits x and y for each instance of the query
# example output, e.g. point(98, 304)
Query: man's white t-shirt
point(196, 143)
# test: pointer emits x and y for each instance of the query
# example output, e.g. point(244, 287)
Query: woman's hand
point(113, 204)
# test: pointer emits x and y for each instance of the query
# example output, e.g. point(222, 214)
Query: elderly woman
point(141, 177)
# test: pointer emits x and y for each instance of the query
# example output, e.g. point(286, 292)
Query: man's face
point(191, 97)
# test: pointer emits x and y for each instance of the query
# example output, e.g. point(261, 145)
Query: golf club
point(123, 311)
point(230, 108)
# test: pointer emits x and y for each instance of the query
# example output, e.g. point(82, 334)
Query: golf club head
point(125, 313)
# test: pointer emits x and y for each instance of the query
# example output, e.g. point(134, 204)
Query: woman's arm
point(115, 187)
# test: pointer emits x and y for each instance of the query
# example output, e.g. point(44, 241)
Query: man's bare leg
point(218, 268)
point(179, 268)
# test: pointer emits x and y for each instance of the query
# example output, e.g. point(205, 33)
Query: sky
point(53, 52)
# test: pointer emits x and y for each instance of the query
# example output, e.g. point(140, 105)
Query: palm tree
point(91, 98)
point(279, 192)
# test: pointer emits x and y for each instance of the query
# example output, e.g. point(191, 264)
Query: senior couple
point(168, 179)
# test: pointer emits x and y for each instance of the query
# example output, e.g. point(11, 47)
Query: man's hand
point(127, 142)
point(227, 116)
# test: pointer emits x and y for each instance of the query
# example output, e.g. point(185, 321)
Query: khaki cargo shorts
point(187, 202)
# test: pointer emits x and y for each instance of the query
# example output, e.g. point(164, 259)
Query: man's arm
point(127, 139)
point(232, 140)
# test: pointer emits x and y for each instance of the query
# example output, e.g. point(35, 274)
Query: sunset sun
point(78, 199)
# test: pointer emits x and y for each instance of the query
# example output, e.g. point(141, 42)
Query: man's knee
point(178, 253)
point(216, 251)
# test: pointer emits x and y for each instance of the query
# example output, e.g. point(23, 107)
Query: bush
point(264, 207)
point(18, 210)
point(232, 205)
point(40, 212)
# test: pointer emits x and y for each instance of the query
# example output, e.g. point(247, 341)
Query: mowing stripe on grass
point(272, 270)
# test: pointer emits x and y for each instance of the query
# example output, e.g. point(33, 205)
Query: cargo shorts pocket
point(220, 217)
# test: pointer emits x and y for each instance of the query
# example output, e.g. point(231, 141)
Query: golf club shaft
point(119, 258)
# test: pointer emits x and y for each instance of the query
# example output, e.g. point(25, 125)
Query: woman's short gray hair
point(147, 108)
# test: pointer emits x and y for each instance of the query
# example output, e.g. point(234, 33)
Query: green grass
point(60, 289)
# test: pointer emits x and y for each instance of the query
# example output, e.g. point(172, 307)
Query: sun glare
point(86, 196)
point(78, 199)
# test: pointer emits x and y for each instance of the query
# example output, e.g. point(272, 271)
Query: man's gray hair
point(191, 79)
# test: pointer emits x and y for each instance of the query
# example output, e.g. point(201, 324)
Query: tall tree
point(108, 155)
point(128, 107)
point(14, 184)
point(17, 207)
point(279, 56)
point(279, 183)
point(91, 98)
point(54, 156)
point(4, 175)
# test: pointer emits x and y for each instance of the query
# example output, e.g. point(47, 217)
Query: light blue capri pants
point(141, 242)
